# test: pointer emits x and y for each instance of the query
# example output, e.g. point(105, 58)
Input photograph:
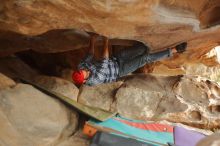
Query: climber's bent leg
point(130, 53)
point(158, 56)
point(128, 66)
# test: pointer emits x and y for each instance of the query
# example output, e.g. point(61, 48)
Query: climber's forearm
point(174, 50)
point(92, 45)
point(106, 48)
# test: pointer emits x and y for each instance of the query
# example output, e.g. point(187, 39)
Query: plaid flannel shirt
point(103, 71)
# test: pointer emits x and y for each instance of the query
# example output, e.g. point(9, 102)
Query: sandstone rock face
point(158, 23)
point(18, 15)
point(29, 117)
point(152, 97)
point(58, 85)
point(102, 96)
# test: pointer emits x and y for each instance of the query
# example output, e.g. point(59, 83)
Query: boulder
point(148, 97)
point(58, 85)
point(181, 99)
point(29, 117)
point(58, 26)
point(102, 96)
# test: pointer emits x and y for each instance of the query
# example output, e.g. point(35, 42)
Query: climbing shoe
point(181, 47)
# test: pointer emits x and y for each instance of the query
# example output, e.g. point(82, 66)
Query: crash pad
point(185, 137)
point(152, 133)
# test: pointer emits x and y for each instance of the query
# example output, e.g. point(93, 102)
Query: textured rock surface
point(210, 72)
point(29, 117)
point(101, 96)
point(189, 100)
point(58, 85)
point(56, 26)
point(159, 23)
point(148, 97)
point(200, 69)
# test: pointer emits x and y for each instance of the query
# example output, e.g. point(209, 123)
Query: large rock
point(47, 26)
point(58, 85)
point(29, 117)
point(148, 97)
point(58, 26)
point(16, 68)
point(189, 100)
point(102, 96)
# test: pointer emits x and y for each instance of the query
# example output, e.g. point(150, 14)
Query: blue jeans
point(137, 56)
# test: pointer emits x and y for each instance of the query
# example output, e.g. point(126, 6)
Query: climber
point(93, 72)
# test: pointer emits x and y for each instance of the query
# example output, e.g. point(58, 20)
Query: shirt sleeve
point(85, 62)
point(104, 63)
point(95, 79)
point(99, 76)
point(88, 58)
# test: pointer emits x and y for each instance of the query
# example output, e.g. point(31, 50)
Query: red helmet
point(78, 77)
